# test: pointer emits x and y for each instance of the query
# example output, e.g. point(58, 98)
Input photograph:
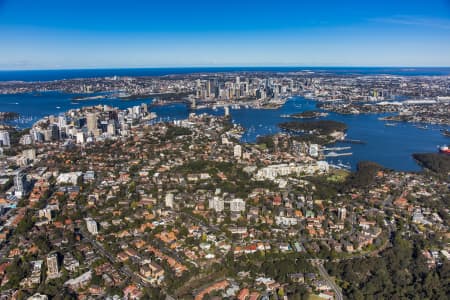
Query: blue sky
point(55, 34)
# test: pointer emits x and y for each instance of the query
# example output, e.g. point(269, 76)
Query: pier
point(334, 154)
point(349, 141)
point(337, 148)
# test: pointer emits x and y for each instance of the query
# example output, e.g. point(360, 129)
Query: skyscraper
point(91, 122)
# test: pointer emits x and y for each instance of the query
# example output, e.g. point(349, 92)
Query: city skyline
point(53, 35)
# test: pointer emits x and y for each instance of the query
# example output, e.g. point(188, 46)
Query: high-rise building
point(208, 89)
point(26, 139)
point(80, 138)
point(52, 265)
point(4, 138)
point(169, 200)
point(342, 213)
point(91, 122)
point(91, 226)
point(20, 185)
point(237, 151)
point(111, 129)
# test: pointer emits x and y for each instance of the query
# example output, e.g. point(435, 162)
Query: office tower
point(4, 138)
point(208, 89)
point(198, 88)
point(36, 136)
point(62, 121)
point(52, 265)
point(54, 135)
point(91, 226)
point(237, 151)
point(91, 122)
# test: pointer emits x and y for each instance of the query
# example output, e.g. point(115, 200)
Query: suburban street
point(330, 281)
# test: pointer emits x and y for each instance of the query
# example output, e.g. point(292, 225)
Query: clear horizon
point(227, 67)
point(55, 35)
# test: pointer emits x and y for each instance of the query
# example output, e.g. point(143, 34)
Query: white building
point(111, 129)
point(80, 138)
point(38, 296)
point(314, 150)
point(237, 151)
point(285, 221)
point(91, 226)
point(237, 205)
point(274, 171)
point(4, 138)
point(169, 200)
point(70, 178)
point(342, 213)
point(216, 203)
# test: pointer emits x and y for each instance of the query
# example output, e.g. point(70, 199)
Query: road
point(125, 270)
point(337, 290)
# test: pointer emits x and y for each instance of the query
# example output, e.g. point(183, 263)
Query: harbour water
point(390, 146)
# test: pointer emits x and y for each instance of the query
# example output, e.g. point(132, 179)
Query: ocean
point(49, 75)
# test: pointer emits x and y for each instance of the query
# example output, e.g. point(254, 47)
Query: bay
point(390, 146)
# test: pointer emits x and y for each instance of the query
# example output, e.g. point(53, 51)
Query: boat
point(444, 149)
point(446, 133)
point(390, 124)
